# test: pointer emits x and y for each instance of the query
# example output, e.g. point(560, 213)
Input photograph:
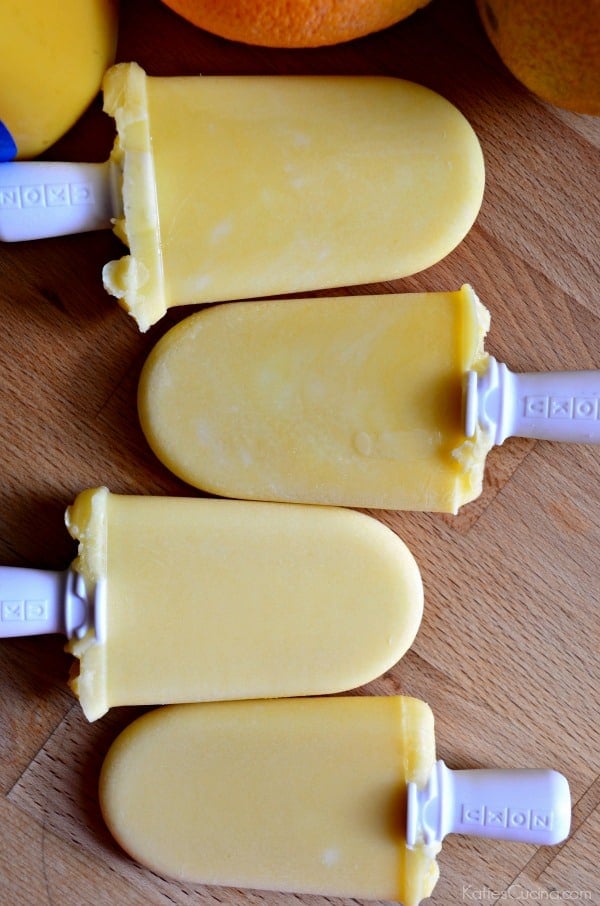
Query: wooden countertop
point(507, 655)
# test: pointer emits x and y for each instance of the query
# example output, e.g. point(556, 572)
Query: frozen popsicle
point(236, 187)
point(179, 599)
point(53, 57)
point(339, 796)
point(354, 401)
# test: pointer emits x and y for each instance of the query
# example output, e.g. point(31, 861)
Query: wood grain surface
point(507, 655)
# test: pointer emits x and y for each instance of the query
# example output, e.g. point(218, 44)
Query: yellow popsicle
point(354, 401)
point(296, 795)
point(53, 57)
point(240, 187)
point(216, 599)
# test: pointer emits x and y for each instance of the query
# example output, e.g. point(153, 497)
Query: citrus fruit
point(294, 23)
point(551, 46)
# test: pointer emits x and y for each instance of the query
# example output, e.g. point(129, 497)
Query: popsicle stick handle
point(46, 198)
point(40, 602)
point(526, 806)
point(561, 405)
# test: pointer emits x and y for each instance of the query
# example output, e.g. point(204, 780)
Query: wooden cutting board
point(507, 655)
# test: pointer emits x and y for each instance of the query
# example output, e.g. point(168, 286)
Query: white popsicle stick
point(46, 198)
point(39, 602)
point(560, 405)
point(525, 806)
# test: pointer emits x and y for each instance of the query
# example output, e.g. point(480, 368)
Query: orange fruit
point(294, 23)
point(551, 46)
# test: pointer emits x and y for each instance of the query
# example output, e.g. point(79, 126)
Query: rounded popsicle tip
point(42, 47)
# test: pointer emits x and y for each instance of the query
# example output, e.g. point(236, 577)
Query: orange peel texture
point(294, 23)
